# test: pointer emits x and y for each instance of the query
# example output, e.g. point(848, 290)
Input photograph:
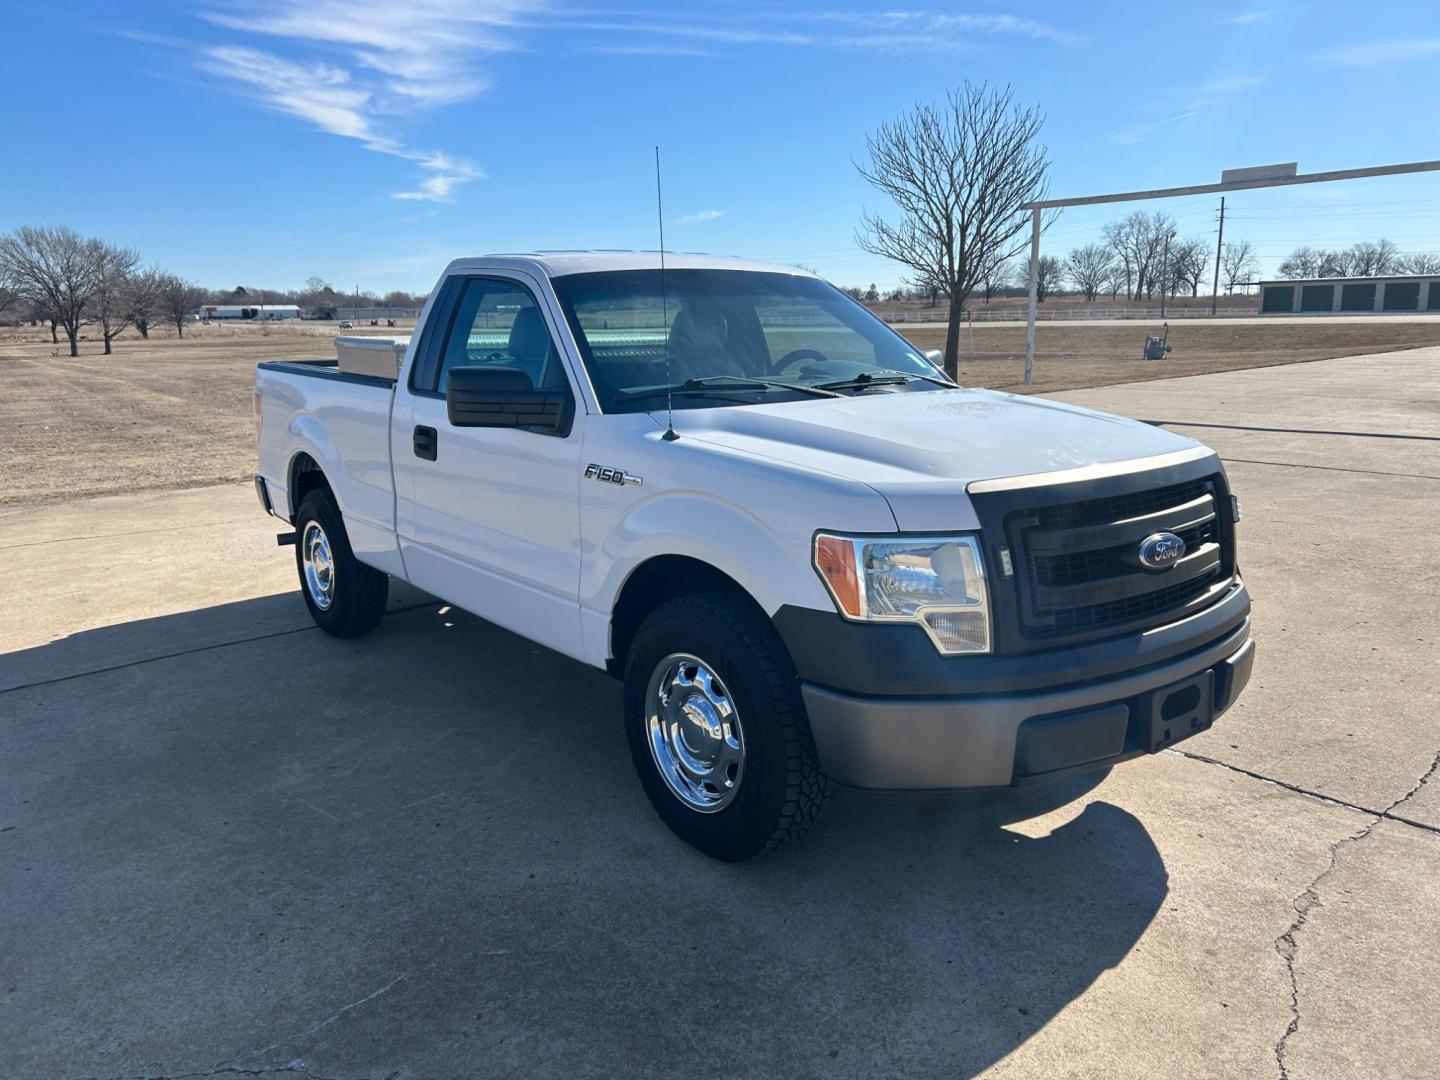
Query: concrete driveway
point(230, 844)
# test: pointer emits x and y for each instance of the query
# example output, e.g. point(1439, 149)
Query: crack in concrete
point(336, 1015)
point(1286, 944)
point(1388, 813)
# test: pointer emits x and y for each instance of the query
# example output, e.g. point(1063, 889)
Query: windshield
point(731, 337)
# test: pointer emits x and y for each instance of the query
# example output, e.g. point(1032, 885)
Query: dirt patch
point(176, 413)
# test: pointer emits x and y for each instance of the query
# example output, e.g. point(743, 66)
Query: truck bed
point(342, 422)
point(323, 369)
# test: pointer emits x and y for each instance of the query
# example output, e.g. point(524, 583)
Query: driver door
point(489, 517)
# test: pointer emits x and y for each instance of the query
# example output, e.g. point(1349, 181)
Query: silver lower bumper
point(894, 743)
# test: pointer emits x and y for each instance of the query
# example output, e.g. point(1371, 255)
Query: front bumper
point(1005, 736)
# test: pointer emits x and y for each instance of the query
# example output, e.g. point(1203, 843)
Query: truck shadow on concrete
point(426, 852)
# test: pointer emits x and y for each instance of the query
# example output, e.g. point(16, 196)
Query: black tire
point(781, 791)
point(357, 593)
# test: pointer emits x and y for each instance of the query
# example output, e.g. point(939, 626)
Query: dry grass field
point(175, 413)
point(1070, 356)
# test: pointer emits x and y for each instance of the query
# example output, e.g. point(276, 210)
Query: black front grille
point(1118, 612)
point(1076, 563)
point(1119, 507)
point(1081, 567)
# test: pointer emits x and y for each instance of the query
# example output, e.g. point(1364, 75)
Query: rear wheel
point(346, 598)
point(717, 729)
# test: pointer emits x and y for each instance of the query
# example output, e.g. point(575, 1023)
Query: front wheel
point(346, 598)
point(717, 729)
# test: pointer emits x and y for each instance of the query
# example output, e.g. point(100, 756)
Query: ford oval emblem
point(1161, 551)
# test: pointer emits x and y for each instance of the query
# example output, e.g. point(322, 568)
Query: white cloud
point(1191, 102)
point(361, 69)
point(655, 49)
point(365, 65)
point(878, 31)
point(1207, 93)
point(1370, 53)
point(698, 216)
point(930, 23)
point(1136, 133)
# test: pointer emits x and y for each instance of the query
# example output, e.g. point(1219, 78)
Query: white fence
point(1067, 314)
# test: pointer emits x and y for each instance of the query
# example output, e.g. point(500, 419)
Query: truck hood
point(921, 449)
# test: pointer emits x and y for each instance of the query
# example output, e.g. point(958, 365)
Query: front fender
point(773, 569)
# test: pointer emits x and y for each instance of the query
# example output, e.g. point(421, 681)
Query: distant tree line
point(57, 277)
point(1143, 255)
point(318, 299)
point(54, 276)
point(1369, 258)
point(1137, 257)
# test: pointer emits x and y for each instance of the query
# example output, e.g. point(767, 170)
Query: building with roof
point(249, 311)
point(1335, 296)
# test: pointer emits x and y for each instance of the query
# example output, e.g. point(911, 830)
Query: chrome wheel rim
point(318, 564)
point(694, 733)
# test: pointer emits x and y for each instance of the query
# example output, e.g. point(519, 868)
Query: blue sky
point(369, 142)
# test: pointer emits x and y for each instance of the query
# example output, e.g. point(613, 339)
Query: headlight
point(935, 581)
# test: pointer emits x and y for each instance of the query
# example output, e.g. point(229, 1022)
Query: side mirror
point(504, 397)
point(936, 358)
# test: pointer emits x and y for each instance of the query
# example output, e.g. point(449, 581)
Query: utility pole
point(1165, 275)
point(1219, 242)
point(1034, 286)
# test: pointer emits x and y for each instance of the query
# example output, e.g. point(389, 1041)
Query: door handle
point(427, 442)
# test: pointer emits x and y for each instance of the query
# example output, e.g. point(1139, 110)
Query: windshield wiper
point(882, 377)
point(713, 384)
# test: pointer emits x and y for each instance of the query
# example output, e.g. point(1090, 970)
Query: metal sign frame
point(1036, 208)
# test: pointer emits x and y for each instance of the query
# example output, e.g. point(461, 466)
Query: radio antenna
point(670, 433)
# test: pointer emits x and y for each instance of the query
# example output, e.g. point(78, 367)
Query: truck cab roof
point(555, 264)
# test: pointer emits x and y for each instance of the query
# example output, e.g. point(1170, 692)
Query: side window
point(498, 323)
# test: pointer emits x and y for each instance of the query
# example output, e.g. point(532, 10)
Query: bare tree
point(1373, 258)
point(1419, 262)
point(1238, 263)
point(56, 269)
point(1048, 276)
point(1304, 262)
point(1089, 268)
point(1118, 279)
point(142, 299)
point(995, 274)
point(1340, 262)
point(1189, 259)
point(1139, 243)
point(958, 172)
point(110, 303)
point(398, 298)
point(179, 300)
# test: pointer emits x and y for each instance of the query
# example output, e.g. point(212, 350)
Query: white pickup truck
point(809, 555)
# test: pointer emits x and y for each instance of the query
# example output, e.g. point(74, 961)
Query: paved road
point(228, 842)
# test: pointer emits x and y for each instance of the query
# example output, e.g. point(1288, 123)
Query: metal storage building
point(1327, 296)
point(249, 311)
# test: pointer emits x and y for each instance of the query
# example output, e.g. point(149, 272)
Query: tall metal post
point(1034, 295)
point(1219, 241)
point(1165, 275)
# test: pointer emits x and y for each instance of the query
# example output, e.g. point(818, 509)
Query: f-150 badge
point(611, 476)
